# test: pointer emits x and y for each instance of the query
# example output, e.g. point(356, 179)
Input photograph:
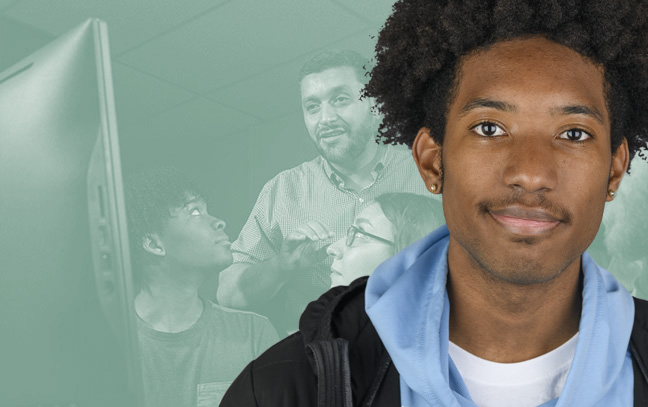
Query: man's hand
point(245, 286)
point(299, 249)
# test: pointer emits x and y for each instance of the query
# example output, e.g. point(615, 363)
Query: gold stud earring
point(433, 187)
point(611, 193)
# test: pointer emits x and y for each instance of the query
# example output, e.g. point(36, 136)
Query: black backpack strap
point(331, 363)
point(639, 352)
point(328, 355)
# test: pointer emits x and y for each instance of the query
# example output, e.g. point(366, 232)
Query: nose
point(328, 113)
point(218, 224)
point(531, 165)
point(336, 249)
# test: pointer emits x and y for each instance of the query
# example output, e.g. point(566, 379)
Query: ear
point(427, 155)
point(152, 244)
point(620, 161)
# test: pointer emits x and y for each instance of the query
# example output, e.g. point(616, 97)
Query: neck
point(169, 305)
point(506, 322)
point(357, 174)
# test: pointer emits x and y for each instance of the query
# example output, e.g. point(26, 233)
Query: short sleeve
point(261, 237)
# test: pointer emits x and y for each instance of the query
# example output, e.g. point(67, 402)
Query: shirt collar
point(377, 169)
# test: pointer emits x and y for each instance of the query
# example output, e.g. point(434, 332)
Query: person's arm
point(245, 285)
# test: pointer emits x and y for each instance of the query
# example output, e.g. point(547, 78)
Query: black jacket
point(337, 360)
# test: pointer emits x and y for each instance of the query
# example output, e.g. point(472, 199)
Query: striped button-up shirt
point(314, 191)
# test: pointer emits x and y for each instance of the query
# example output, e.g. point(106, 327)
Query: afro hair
point(421, 45)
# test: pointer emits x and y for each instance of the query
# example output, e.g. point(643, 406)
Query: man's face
point(193, 239)
point(338, 122)
point(526, 159)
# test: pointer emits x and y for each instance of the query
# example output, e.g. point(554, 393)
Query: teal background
point(209, 86)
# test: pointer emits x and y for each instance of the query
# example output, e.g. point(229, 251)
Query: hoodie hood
point(407, 302)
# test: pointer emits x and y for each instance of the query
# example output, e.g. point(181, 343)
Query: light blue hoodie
point(407, 302)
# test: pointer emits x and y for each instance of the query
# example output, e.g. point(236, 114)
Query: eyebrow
point(487, 103)
point(507, 107)
point(578, 109)
point(192, 201)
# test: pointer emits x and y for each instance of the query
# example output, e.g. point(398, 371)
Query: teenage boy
point(190, 348)
point(524, 115)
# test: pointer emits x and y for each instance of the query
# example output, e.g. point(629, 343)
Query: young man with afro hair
point(525, 115)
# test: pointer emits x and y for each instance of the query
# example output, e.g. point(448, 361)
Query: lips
point(223, 240)
point(330, 133)
point(525, 221)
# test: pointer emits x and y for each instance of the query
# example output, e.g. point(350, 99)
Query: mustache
point(332, 127)
point(530, 200)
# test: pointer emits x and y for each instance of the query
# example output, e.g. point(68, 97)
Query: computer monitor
point(66, 291)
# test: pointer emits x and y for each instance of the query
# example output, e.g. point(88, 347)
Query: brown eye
point(488, 129)
point(575, 135)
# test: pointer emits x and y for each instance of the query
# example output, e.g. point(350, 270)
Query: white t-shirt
point(523, 384)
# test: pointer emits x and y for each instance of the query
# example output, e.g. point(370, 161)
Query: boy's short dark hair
point(150, 196)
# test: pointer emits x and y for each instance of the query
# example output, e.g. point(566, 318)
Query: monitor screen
point(65, 292)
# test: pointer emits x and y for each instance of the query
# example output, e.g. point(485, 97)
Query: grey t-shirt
point(196, 366)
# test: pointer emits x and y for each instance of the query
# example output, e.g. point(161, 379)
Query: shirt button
point(361, 200)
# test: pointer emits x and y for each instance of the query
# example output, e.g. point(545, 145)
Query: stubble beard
point(509, 268)
point(504, 267)
point(357, 143)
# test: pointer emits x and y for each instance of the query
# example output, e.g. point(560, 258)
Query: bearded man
point(279, 258)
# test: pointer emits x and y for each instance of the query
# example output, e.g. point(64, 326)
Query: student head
point(170, 231)
point(523, 114)
point(338, 122)
point(390, 223)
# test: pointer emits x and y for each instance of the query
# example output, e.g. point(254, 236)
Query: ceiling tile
point(130, 22)
point(241, 39)
point(267, 95)
point(363, 42)
point(139, 96)
point(275, 93)
point(7, 3)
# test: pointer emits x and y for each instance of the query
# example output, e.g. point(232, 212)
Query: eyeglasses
point(354, 231)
